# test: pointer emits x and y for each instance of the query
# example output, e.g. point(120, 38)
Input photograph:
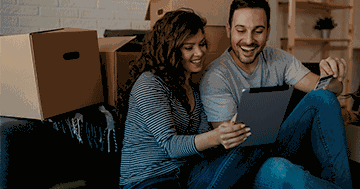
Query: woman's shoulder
point(149, 80)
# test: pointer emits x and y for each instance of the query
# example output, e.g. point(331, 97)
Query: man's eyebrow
point(256, 27)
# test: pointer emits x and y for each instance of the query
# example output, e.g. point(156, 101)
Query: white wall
point(25, 16)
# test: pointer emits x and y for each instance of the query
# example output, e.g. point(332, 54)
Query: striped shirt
point(159, 133)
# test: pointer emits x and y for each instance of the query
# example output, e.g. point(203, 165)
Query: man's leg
point(316, 127)
point(278, 173)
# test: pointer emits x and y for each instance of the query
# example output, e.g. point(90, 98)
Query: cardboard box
point(218, 42)
point(115, 61)
point(216, 12)
point(115, 64)
point(353, 142)
point(48, 73)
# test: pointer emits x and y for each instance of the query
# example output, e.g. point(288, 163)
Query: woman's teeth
point(196, 61)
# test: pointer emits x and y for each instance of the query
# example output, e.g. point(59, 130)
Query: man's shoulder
point(220, 64)
point(274, 54)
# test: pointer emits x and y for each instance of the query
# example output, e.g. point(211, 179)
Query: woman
point(167, 140)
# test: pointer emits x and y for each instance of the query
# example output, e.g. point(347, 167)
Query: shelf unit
point(325, 7)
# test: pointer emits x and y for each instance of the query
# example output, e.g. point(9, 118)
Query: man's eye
point(259, 32)
point(241, 31)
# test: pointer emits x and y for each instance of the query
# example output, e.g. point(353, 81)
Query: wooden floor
point(70, 185)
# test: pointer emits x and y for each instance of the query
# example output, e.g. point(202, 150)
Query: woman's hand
point(232, 134)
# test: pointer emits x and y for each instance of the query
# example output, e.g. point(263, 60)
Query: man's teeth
point(248, 48)
point(196, 61)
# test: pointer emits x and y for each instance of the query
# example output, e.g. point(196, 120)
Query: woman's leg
point(316, 128)
point(278, 173)
point(232, 168)
point(169, 180)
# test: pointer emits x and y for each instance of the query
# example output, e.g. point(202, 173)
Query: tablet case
point(263, 109)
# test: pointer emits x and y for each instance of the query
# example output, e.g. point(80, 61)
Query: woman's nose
point(199, 51)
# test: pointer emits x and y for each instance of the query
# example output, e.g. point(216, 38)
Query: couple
point(179, 134)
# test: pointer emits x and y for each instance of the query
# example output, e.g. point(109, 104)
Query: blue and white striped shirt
point(158, 133)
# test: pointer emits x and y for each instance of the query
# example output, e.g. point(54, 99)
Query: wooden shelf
point(303, 4)
point(324, 8)
point(317, 39)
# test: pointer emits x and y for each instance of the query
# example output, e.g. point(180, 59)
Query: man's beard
point(238, 54)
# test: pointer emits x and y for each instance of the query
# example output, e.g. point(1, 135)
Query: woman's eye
point(202, 44)
point(188, 48)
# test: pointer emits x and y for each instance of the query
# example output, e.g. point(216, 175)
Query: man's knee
point(276, 167)
point(323, 97)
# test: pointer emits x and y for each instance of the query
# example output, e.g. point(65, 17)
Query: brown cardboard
point(353, 142)
point(218, 42)
point(40, 80)
point(216, 12)
point(116, 63)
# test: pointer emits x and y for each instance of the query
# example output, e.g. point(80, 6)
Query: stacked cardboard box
point(47, 73)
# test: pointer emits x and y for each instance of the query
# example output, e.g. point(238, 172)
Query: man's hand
point(333, 66)
point(232, 134)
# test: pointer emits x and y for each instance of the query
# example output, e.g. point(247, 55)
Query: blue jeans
point(312, 137)
point(281, 173)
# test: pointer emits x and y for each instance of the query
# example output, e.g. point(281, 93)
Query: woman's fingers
point(235, 135)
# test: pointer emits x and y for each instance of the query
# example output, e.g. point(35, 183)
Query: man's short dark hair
point(239, 4)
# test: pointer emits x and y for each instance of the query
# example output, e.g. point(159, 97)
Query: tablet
point(263, 110)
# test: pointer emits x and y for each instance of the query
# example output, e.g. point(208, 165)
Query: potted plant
point(325, 26)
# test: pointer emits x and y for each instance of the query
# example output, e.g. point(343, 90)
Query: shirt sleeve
point(217, 97)
point(152, 100)
point(295, 70)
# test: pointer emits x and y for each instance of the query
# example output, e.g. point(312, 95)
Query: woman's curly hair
point(161, 54)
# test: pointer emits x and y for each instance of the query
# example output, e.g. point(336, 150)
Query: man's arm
point(329, 66)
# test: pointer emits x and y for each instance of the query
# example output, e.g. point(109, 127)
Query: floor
point(70, 185)
point(81, 184)
point(355, 173)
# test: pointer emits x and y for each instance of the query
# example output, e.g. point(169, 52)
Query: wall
point(25, 16)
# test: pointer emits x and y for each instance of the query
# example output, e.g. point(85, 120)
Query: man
point(249, 63)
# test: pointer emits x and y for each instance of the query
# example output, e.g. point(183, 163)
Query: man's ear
point(228, 30)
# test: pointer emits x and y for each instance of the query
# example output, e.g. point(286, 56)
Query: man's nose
point(249, 38)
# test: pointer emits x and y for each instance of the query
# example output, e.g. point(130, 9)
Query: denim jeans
point(312, 138)
point(278, 173)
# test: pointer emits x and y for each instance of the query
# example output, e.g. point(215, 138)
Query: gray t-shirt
point(223, 80)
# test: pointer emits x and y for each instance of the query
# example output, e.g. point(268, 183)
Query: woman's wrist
point(207, 140)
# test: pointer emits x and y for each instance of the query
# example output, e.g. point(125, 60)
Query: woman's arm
point(153, 101)
point(227, 134)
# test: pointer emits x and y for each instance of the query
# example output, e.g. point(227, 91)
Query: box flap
point(216, 12)
point(147, 16)
point(111, 44)
point(62, 30)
